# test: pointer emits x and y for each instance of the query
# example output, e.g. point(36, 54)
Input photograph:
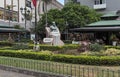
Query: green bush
point(25, 54)
point(67, 41)
point(90, 53)
point(111, 51)
point(56, 48)
point(88, 60)
point(6, 43)
point(96, 47)
point(25, 40)
point(6, 48)
point(20, 46)
point(116, 47)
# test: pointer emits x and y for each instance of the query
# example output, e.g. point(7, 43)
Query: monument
point(53, 32)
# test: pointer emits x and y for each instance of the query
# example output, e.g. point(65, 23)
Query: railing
point(70, 70)
point(100, 6)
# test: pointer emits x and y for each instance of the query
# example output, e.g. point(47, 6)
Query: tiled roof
point(110, 14)
point(5, 26)
point(106, 23)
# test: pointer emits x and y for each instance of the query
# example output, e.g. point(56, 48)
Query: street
point(12, 74)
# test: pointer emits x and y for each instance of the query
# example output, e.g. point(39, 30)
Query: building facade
point(16, 16)
point(103, 6)
point(42, 8)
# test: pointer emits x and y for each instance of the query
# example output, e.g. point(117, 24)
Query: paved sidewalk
point(12, 74)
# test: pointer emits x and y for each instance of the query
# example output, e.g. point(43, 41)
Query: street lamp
point(26, 14)
point(67, 30)
point(9, 7)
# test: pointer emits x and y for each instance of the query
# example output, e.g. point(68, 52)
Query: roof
point(110, 14)
point(95, 29)
point(5, 26)
point(105, 23)
point(11, 30)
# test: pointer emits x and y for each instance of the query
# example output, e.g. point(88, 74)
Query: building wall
point(14, 12)
point(111, 5)
point(89, 3)
point(21, 3)
point(53, 4)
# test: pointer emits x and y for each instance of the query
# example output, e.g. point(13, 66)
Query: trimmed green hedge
point(23, 54)
point(88, 60)
point(116, 47)
point(56, 48)
point(6, 43)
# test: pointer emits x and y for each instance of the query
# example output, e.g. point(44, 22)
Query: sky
point(61, 1)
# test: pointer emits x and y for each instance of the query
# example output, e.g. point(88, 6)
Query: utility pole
point(12, 10)
point(18, 10)
point(35, 24)
point(4, 9)
point(25, 16)
point(46, 13)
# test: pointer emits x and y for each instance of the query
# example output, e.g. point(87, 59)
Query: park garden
point(93, 54)
point(94, 60)
point(89, 59)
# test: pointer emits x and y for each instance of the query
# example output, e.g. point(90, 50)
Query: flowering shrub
point(111, 51)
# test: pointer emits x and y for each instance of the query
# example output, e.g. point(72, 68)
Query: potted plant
point(114, 39)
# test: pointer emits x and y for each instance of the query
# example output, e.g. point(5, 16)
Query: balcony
point(100, 6)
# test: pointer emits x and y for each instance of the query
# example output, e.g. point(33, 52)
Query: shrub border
point(87, 60)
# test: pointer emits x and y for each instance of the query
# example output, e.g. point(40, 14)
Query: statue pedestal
point(48, 41)
point(56, 39)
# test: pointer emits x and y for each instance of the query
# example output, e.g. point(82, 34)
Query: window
point(97, 2)
point(1, 14)
point(43, 7)
point(75, 1)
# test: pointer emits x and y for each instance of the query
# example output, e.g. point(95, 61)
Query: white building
point(103, 6)
point(15, 16)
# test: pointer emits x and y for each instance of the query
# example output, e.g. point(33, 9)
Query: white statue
point(54, 28)
point(53, 32)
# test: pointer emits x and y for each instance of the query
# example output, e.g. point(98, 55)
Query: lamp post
point(9, 7)
point(26, 14)
point(9, 14)
point(67, 30)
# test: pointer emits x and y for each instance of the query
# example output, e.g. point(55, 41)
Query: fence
point(70, 70)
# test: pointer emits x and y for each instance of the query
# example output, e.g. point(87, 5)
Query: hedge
point(6, 43)
point(116, 47)
point(27, 55)
point(56, 48)
point(87, 60)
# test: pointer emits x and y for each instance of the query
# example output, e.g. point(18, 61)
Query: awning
point(5, 26)
point(95, 29)
point(106, 23)
point(11, 30)
point(110, 14)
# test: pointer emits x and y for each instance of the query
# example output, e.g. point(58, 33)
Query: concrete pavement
point(12, 74)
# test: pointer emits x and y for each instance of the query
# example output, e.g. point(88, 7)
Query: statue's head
point(53, 23)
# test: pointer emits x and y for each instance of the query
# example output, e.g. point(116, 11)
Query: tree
point(52, 15)
point(77, 15)
point(18, 27)
point(74, 14)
